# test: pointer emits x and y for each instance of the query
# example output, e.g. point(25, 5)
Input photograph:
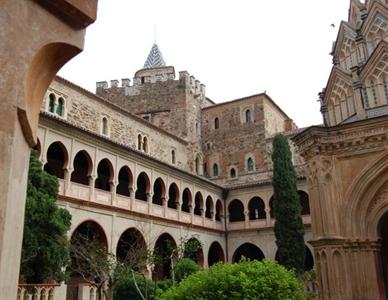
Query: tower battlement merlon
point(114, 83)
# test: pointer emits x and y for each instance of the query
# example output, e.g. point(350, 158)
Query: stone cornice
point(364, 135)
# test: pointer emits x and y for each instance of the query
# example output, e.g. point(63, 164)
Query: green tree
point(45, 249)
point(185, 267)
point(288, 227)
point(245, 280)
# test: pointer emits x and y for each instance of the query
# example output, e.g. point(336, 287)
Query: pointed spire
point(155, 58)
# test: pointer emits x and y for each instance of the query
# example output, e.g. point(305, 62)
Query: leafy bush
point(164, 285)
point(125, 288)
point(184, 268)
point(245, 280)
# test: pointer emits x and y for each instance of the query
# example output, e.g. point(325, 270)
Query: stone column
point(38, 38)
point(357, 93)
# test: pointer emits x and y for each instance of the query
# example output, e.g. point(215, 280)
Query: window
point(216, 123)
point(233, 173)
point(250, 165)
point(139, 142)
point(51, 103)
point(373, 86)
point(104, 126)
point(173, 156)
point(248, 117)
point(60, 107)
point(366, 100)
point(145, 144)
point(215, 170)
point(386, 90)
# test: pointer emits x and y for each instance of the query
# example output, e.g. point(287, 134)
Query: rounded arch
point(125, 181)
point(232, 173)
point(256, 208)
point(90, 230)
point(173, 196)
point(219, 210)
point(104, 175)
point(209, 207)
point(215, 254)
point(57, 159)
point(186, 200)
point(132, 249)
point(216, 123)
point(142, 186)
point(304, 202)
point(82, 166)
point(248, 116)
point(164, 246)
point(145, 144)
point(198, 204)
point(236, 211)
point(159, 191)
point(249, 251)
point(193, 250)
point(365, 200)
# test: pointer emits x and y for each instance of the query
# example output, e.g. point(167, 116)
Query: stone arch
point(236, 211)
point(215, 254)
point(219, 210)
point(104, 175)
point(57, 160)
point(209, 207)
point(198, 204)
point(248, 250)
point(196, 256)
point(164, 246)
point(142, 186)
point(366, 200)
point(93, 229)
point(82, 166)
point(132, 249)
point(173, 196)
point(187, 200)
point(125, 181)
point(256, 209)
point(159, 191)
point(304, 202)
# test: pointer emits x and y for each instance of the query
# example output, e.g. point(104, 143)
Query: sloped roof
point(155, 58)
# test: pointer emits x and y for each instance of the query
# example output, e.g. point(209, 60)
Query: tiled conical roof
point(155, 58)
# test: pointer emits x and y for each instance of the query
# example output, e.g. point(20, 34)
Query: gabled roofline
point(336, 71)
point(373, 59)
point(265, 95)
point(341, 32)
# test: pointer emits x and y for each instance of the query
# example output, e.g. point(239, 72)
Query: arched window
point(232, 172)
point(145, 144)
point(104, 126)
point(143, 186)
point(250, 164)
point(159, 191)
point(51, 103)
point(248, 117)
point(219, 211)
point(125, 182)
point(186, 200)
point(56, 160)
point(256, 209)
point(216, 123)
point(82, 168)
point(209, 207)
point(139, 142)
point(60, 106)
point(385, 90)
point(366, 99)
point(104, 175)
point(173, 196)
point(173, 156)
point(198, 201)
point(304, 202)
point(236, 211)
point(215, 170)
point(197, 162)
point(374, 93)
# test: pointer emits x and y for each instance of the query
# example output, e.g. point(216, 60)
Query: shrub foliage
point(245, 280)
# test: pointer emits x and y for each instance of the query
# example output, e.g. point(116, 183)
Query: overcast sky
point(236, 48)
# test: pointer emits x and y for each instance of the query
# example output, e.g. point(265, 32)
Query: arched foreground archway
point(163, 250)
point(88, 250)
point(383, 232)
point(248, 250)
point(193, 250)
point(216, 254)
point(132, 249)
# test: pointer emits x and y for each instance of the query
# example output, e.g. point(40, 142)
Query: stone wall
point(87, 111)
